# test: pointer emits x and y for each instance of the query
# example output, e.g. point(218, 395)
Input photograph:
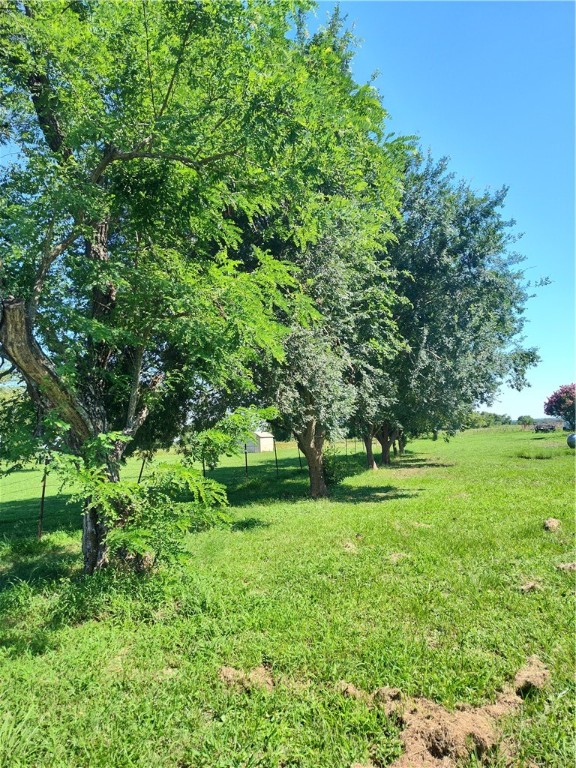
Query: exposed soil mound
point(351, 692)
point(259, 677)
point(552, 524)
point(531, 677)
point(566, 567)
point(434, 737)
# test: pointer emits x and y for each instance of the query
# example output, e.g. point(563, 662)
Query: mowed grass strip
point(434, 576)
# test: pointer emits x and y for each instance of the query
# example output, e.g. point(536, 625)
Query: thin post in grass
point(203, 466)
point(346, 446)
point(142, 469)
point(276, 458)
point(245, 460)
point(42, 497)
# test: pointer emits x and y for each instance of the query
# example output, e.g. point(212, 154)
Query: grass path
point(409, 577)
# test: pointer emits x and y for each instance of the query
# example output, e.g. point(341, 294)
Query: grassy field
point(414, 576)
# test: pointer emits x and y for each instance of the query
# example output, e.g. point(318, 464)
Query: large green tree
point(462, 317)
point(342, 272)
point(148, 139)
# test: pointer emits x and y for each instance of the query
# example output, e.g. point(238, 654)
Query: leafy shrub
point(147, 522)
point(333, 466)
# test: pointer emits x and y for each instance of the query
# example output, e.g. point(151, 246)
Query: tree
point(525, 421)
point(561, 404)
point(351, 290)
point(463, 311)
point(150, 138)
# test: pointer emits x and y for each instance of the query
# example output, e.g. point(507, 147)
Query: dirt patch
point(552, 524)
point(259, 678)
point(566, 567)
point(530, 586)
point(434, 737)
point(351, 692)
point(395, 557)
point(422, 525)
point(350, 547)
point(531, 677)
point(362, 765)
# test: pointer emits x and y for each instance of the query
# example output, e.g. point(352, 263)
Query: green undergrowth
point(413, 576)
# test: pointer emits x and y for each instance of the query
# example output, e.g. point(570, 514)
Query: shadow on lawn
point(19, 519)
point(363, 494)
point(264, 484)
point(248, 524)
point(35, 562)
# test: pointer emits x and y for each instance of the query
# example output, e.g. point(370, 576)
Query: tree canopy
point(204, 211)
point(561, 403)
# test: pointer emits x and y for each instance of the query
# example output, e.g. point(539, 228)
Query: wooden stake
point(41, 513)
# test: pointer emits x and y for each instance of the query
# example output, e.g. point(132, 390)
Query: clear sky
point(491, 85)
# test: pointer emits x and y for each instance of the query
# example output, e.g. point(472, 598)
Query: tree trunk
point(385, 437)
point(370, 460)
point(94, 546)
point(311, 443)
point(402, 440)
point(434, 434)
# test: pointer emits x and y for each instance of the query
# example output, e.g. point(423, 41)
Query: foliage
point(561, 403)
point(146, 522)
point(333, 466)
point(525, 421)
point(465, 297)
point(226, 438)
point(485, 419)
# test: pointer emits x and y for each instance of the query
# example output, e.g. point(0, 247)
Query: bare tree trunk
point(311, 443)
point(94, 546)
point(402, 440)
point(434, 434)
point(385, 436)
point(370, 460)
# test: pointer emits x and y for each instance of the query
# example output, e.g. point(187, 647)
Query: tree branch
point(23, 351)
point(131, 414)
point(176, 67)
point(150, 81)
point(184, 159)
point(50, 255)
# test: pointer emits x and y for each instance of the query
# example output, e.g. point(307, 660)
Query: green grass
point(124, 672)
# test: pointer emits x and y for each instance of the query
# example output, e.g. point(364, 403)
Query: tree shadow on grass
point(248, 524)
point(19, 519)
point(417, 462)
point(35, 561)
point(290, 484)
point(365, 494)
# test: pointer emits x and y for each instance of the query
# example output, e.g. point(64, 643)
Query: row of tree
point(204, 211)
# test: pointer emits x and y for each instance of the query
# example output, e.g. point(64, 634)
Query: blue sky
point(491, 85)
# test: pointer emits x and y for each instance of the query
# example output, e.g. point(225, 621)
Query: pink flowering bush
point(561, 404)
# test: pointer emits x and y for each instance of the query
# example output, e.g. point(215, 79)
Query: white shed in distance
point(260, 442)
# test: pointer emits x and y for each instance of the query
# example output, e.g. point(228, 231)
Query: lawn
point(434, 576)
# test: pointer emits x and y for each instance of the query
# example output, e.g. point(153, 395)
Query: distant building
point(261, 442)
